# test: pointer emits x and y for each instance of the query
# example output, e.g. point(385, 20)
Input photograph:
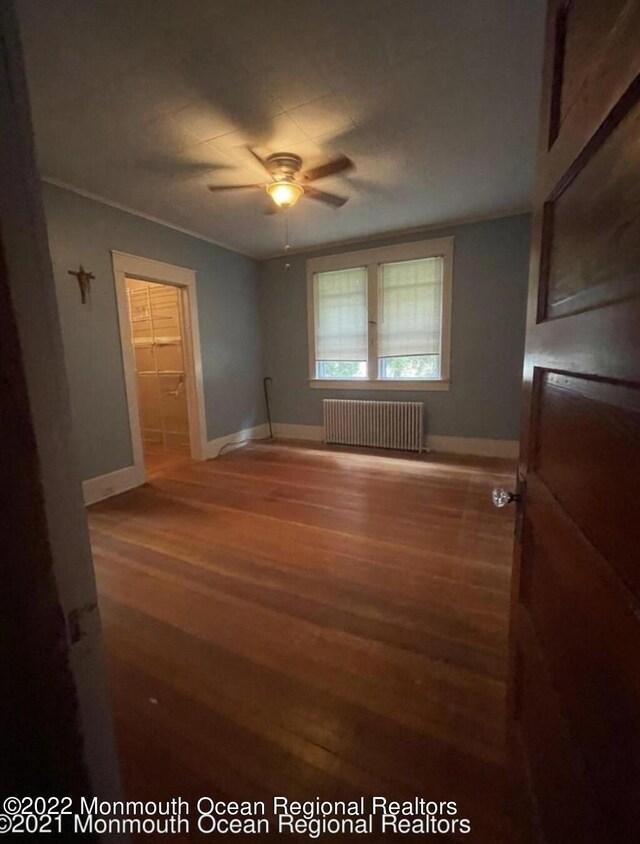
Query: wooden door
point(575, 681)
point(55, 726)
point(155, 314)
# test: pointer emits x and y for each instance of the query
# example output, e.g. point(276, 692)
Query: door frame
point(147, 269)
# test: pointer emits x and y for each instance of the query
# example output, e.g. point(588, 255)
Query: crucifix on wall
point(84, 280)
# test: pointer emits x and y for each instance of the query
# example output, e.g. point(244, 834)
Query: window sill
point(372, 386)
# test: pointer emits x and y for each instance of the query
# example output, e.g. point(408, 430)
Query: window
point(380, 318)
point(341, 323)
point(409, 318)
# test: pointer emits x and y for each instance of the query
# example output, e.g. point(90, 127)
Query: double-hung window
point(380, 318)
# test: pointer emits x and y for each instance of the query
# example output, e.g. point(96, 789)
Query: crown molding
point(302, 250)
point(134, 211)
point(429, 227)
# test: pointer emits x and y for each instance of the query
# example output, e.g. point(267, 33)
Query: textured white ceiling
point(145, 102)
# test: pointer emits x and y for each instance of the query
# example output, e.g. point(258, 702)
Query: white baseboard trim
point(314, 433)
point(480, 446)
point(113, 483)
point(259, 432)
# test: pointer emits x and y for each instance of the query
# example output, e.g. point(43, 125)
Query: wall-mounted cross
point(84, 280)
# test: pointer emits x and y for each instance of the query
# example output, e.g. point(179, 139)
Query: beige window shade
point(341, 315)
point(410, 307)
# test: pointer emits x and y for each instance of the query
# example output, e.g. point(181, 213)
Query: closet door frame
point(146, 269)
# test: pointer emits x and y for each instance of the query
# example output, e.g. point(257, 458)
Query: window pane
point(410, 312)
point(425, 367)
point(340, 300)
point(341, 369)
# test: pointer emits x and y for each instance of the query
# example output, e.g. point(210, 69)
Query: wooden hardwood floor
point(304, 622)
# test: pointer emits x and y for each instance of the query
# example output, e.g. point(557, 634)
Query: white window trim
point(371, 259)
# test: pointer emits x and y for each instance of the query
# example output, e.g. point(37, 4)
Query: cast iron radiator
point(378, 424)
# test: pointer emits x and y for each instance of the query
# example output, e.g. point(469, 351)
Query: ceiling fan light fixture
point(285, 192)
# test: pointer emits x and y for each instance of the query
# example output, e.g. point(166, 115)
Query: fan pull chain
point(287, 245)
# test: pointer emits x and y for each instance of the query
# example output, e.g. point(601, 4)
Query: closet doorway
point(156, 318)
point(161, 354)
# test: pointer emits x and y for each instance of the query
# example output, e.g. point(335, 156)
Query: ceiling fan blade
point(323, 196)
point(232, 187)
point(331, 168)
point(260, 161)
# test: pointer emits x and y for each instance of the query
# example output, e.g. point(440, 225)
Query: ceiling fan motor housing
point(284, 165)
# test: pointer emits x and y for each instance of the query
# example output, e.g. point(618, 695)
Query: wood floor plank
point(308, 622)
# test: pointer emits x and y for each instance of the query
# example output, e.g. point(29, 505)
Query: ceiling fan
point(288, 183)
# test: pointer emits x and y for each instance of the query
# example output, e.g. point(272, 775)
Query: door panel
point(592, 231)
point(165, 311)
point(150, 409)
point(156, 327)
point(582, 26)
point(563, 796)
point(580, 421)
point(168, 357)
point(173, 403)
point(587, 629)
point(575, 640)
point(145, 361)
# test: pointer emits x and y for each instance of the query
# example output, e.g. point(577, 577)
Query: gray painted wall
point(489, 302)
point(242, 302)
point(84, 231)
